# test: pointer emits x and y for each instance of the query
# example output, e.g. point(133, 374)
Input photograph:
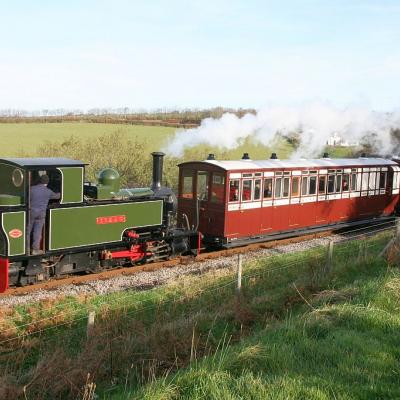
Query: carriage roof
point(241, 165)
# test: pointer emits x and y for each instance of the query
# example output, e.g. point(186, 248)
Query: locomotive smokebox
point(158, 158)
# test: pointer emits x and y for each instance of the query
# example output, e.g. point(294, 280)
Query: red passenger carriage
point(234, 202)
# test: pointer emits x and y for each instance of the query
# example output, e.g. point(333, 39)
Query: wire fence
point(75, 317)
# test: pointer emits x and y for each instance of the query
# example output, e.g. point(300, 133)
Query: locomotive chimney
point(158, 158)
point(274, 156)
point(246, 156)
point(211, 156)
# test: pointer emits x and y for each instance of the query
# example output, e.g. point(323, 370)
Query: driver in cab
point(40, 195)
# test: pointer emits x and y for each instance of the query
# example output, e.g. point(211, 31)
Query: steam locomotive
point(96, 226)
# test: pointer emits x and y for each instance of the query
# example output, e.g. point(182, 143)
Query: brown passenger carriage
point(234, 202)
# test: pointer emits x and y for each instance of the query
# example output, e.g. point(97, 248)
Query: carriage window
point(234, 190)
point(322, 185)
point(353, 181)
point(304, 186)
point(382, 180)
point(364, 183)
point(295, 186)
point(331, 183)
point(217, 188)
point(313, 185)
point(345, 182)
point(286, 184)
point(371, 183)
point(338, 183)
point(257, 189)
point(278, 187)
point(187, 184)
point(202, 185)
point(267, 188)
point(246, 189)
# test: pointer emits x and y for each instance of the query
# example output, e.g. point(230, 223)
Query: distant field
point(26, 137)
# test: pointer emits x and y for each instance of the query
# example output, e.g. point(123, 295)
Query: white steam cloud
point(315, 124)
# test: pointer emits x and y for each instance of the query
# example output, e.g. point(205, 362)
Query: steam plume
point(314, 123)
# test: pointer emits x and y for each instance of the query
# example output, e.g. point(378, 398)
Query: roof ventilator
point(274, 156)
point(326, 155)
point(211, 156)
point(246, 156)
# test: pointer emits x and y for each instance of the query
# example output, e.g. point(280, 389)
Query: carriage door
point(202, 197)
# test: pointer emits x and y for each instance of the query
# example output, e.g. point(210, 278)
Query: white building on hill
point(337, 140)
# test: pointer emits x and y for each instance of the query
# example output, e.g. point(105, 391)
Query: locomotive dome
point(109, 177)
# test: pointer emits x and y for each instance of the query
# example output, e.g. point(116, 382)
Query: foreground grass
point(296, 330)
point(344, 345)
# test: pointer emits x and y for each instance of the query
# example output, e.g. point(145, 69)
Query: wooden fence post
point(361, 252)
point(239, 274)
point(329, 257)
point(90, 323)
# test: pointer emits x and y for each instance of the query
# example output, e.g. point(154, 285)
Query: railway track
point(131, 270)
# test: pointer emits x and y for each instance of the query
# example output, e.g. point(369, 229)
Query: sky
point(197, 54)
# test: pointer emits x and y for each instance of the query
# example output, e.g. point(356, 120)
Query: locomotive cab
point(17, 176)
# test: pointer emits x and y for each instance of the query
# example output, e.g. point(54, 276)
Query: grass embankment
point(295, 332)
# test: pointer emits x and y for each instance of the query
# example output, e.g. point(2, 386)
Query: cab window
point(202, 185)
point(187, 184)
point(217, 188)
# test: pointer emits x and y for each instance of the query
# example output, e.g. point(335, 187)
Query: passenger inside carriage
point(257, 189)
point(246, 189)
point(345, 183)
point(268, 188)
point(234, 190)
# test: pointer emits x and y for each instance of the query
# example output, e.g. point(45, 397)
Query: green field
point(25, 138)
